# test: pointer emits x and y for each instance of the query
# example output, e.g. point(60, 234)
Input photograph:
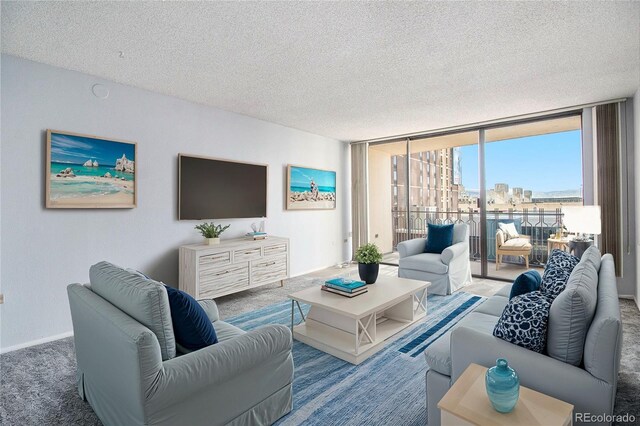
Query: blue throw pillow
point(524, 321)
point(439, 237)
point(525, 283)
point(557, 273)
point(191, 325)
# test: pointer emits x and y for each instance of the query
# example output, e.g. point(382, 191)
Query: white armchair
point(447, 272)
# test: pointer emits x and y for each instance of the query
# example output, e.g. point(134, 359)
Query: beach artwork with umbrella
point(89, 172)
point(310, 189)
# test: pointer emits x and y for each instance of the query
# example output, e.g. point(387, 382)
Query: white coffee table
point(354, 329)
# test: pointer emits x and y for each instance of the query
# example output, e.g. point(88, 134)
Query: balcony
point(539, 224)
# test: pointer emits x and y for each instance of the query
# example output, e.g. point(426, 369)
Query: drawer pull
point(270, 263)
point(222, 273)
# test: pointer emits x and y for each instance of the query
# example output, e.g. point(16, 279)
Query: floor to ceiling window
point(413, 183)
point(530, 170)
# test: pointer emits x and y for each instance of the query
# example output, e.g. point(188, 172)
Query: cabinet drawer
point(269, 270)
point(215, 260)
point(218, 281)
point(247, 254)
point(275, 249)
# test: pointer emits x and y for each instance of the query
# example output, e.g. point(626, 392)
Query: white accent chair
point(520, 246)
point(447, 272)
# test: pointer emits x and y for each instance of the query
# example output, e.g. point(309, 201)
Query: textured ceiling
point(348, 70)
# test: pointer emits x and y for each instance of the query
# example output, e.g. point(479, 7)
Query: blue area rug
point(386, 389)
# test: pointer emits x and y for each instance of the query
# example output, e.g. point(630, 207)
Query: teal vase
point(503, 386)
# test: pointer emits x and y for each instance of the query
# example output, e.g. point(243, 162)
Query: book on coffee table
point(343, 289)
point(345, 284)
point(344, 293)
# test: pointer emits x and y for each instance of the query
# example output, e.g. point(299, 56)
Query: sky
point(301, 177)
point(78, 149)
point(542, 163)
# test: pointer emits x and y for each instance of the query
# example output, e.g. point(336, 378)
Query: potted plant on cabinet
point(368, 257)
point(211, 232)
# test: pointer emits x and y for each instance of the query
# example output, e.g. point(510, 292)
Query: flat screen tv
point(209, 188)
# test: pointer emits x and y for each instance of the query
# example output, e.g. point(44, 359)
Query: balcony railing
point(538, 224)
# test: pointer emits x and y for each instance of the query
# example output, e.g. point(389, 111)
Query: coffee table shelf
point(354, 329)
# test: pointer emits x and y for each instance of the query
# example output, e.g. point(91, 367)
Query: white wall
point(380, 218)
point(44, 250)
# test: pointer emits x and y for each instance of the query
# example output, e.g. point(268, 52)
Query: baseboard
point(315, 270)
point(36, 342)
point(630, 297)
point(70, 333)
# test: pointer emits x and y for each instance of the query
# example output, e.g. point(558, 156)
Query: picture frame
point(310, 189)
point(90, 172)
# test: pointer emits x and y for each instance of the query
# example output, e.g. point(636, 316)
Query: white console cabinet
point(210, 271)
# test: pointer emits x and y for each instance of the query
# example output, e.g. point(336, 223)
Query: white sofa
point(447, 272)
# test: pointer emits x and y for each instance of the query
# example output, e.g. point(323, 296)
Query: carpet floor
point(329, 391)
point(38, 383)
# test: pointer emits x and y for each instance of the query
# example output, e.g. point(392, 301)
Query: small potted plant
point(368, 257)
point(211, 232)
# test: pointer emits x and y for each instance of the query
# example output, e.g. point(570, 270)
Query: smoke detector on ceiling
point(100, 91)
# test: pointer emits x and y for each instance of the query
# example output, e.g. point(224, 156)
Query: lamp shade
point(582, 219)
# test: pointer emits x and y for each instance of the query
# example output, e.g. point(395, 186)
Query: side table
point(467, 403)
point(578, 247)
point(557, 243)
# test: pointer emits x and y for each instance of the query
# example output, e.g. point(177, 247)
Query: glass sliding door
point(516, 175)
point(416, 182)
point(532, 170)
point(444, 186)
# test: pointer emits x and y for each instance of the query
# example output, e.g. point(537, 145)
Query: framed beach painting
point(90, 172)
point(310, 189)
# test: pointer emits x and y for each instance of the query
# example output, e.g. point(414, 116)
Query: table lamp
point(584, 221)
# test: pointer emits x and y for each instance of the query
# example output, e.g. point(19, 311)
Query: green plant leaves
point(211, 230)
point(368, 253)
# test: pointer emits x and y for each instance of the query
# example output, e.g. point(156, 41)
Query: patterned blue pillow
point(557, 272)
point(524, 321)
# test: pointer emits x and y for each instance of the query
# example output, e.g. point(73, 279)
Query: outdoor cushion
point(439, 237)
point(425, 262)
point(509, 230)
point(438, 355)
point(143, 299)
point(525, 282)
point(516, 244)
point(573, 310)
